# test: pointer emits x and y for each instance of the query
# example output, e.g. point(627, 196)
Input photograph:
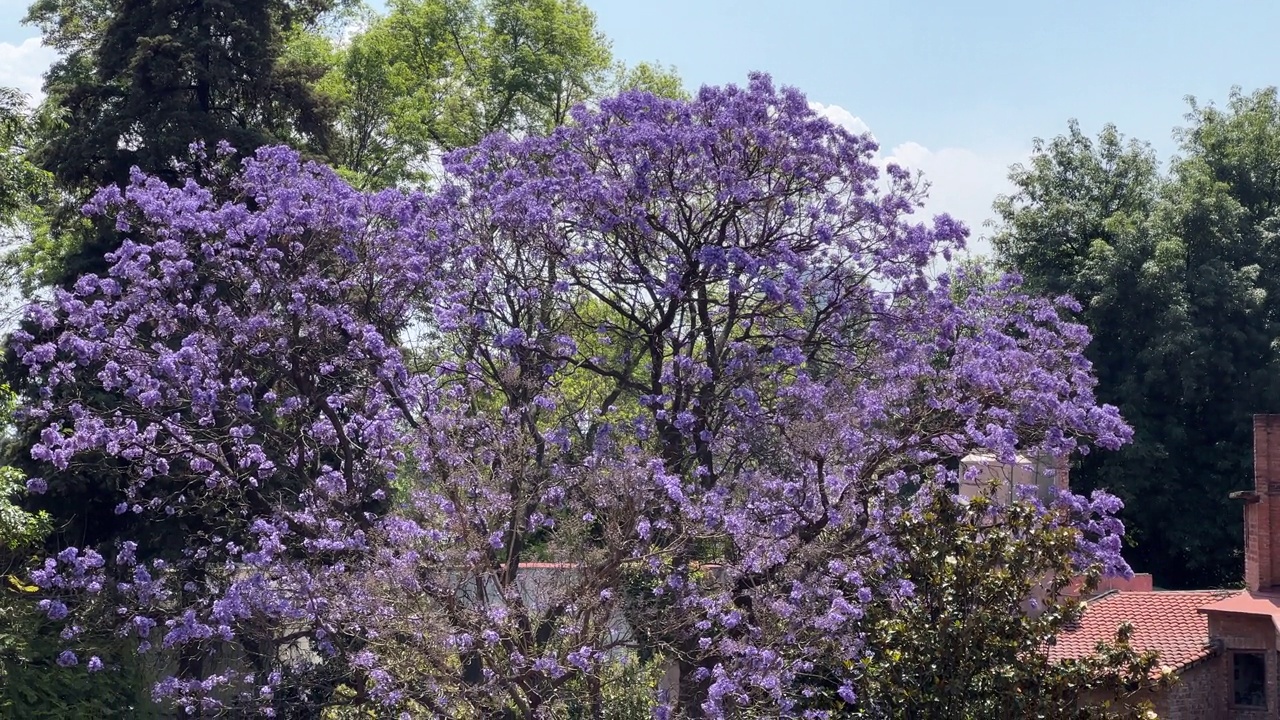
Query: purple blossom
point(54, 609)
point(693, 349)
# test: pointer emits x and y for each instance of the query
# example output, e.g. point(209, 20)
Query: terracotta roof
point(1168, 622)
point(1249, 603)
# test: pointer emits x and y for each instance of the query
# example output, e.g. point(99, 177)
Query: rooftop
point(1169, 622)
point(1249, 603)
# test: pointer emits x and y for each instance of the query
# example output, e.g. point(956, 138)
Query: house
point(1169, 622)
point(1222, 644)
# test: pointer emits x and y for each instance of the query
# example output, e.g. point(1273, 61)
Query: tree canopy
point(445, 366)
point(689, 349)
point(435, 75)
point(1176, 274)
point(140, 80)
point(25, 190)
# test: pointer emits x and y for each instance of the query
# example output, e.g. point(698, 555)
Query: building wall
point(1245, 633)
point(1262, 507)
point(1205, 690)
point(1197, 695)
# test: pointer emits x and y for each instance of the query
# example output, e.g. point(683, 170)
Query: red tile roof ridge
point(1212, 595)
point(1209, 591)
point(1166, 621)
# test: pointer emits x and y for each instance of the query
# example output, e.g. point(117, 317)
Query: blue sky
point(957, 90)
point(978, 74)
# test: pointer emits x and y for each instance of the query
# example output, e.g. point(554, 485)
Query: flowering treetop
point(690, 348)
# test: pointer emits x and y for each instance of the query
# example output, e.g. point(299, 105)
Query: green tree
point(1177, 279)
point(436, 75)
point(971, 643)
point(142, 79)
point(21, 182)
point(24, 189)
point(138, 81)
point(660, 80)
point(1072, 194)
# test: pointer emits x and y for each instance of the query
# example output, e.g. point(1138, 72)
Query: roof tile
point(1165, 621)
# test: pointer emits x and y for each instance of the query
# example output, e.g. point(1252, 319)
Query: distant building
point(1222, 644)
point(1044, 474)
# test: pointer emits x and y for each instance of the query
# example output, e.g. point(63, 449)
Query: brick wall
point(1198, 693)
point(1204, 691)
point(1245, 633)
point(1262, 512)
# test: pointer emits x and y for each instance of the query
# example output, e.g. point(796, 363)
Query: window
point(1250, 679)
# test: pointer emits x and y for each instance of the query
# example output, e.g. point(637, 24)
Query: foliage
point(19, 529)
point(142, 79)
point(23, 189)
point(435, 75)
point(626, 690)
point(781, 368)
point(20, 182)
point(993, 587)
point(32, 685)
point(1081, 194)
point(138, 81)
point(1177, 278)
point(651, 78)
point(621, 688)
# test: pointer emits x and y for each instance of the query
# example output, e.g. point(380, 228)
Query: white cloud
point(22, 65)
point(841, 117)
point(962, 182)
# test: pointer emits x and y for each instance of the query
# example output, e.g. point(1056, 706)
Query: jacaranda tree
point(686, 356)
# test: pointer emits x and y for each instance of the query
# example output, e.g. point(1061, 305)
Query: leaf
point(20, 586)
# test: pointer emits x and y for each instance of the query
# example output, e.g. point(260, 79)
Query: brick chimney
point(1262, 507)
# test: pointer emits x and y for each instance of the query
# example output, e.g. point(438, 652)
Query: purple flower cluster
point(689, 350)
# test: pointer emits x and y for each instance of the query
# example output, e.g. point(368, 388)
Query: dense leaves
point(24, 191)
point(435, 75)
point(994, 584)
point(1176, 276)
point(687, 349)
point(140, 80)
